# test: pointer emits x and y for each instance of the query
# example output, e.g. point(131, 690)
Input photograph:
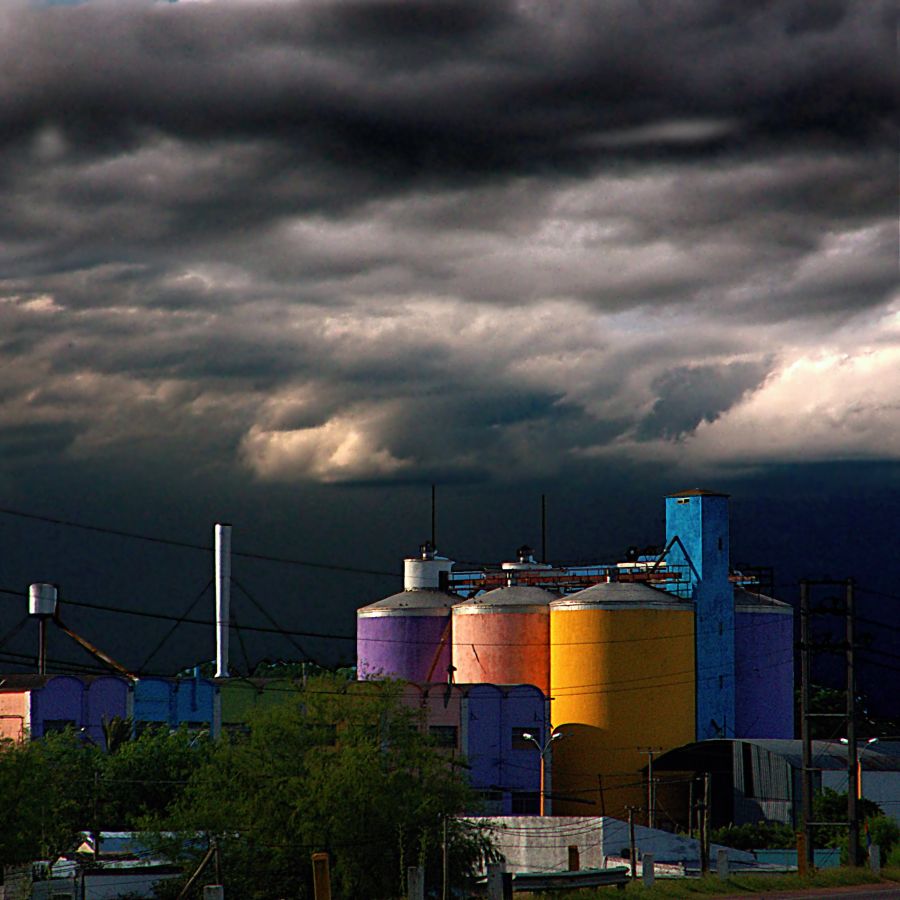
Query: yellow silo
point(622, 682)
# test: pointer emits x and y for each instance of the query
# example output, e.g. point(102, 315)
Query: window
point(235, 731)
point(443, 736)
point(683, 500)
point(520, 742)
point(492, 802)
point(54, 726)
point(525, 803)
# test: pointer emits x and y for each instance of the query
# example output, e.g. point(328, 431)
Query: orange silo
point(503, 637)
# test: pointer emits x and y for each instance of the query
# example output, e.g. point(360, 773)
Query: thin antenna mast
point(433, 517)
point(543, 528)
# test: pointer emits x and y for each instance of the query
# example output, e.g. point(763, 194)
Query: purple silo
point(407, 635)
point(764, 666)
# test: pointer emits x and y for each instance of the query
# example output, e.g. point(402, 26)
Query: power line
point(187, 545)
point(287, 632)
point(171, 631)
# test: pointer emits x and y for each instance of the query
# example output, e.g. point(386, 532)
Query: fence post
point(648, 872)
point(321, 876)
point(415, 883)
point(875, 858)
point(722, 863)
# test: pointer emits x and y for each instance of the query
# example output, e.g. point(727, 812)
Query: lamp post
point(858, 764)
point(544, 750)
point(854, 793)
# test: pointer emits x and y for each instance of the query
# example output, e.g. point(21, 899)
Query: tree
point(344, 768)
point(143, 779)
point(49, 784)
point(830, 806)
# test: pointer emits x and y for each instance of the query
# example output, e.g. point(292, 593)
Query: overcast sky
point(296, 261)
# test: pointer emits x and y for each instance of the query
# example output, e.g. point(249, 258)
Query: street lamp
point(858, 762)
point(528, 736)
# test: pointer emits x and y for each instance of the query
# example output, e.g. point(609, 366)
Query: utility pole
point(602, 797)
point(445, 886)
point(849, 715)
point(852, 752)
point(651, 787)
point(632, 849)
point(808, 861)
point(691, 807)
point(704, 825)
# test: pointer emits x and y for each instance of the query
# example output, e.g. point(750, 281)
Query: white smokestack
point(223, 597)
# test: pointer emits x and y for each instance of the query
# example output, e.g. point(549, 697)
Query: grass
point(711, 886)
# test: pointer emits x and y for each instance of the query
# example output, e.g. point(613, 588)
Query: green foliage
point(344, 769)
point(49, 784)
point(885, 832)
point(145, 778)
point(340, 766)
point(830, 806)
point(116, 732)
point(63, 784)
point(756, 836)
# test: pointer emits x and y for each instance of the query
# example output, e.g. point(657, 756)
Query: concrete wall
point(492, 713)
point(15, 714)
point(882, 787)
point(60, 700)
point(174, 702)
point(532, 844)
point(484, 716)
point(105, 698)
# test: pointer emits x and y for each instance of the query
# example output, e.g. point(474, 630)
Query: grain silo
point(764, 666)
point(503, 637)
point(407, 635)
point(622, 681)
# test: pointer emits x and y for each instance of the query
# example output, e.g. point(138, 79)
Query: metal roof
point(698, 492)
point(429, 601)
point(520, 598)
point(748, 600)
point(620, 595)
point(827, 755)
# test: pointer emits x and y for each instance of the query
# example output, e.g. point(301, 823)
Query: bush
point(756, 836)
point(885, 832)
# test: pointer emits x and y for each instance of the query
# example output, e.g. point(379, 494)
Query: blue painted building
point(189, 702)
point(697, 528)
point(505, 767)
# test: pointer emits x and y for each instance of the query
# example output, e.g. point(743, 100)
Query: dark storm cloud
point(435, 90)
point(688, 396)
point(345, 242)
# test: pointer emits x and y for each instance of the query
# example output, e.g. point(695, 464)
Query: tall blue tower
point(699, 521)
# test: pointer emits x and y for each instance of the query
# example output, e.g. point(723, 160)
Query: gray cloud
point(364, 241)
